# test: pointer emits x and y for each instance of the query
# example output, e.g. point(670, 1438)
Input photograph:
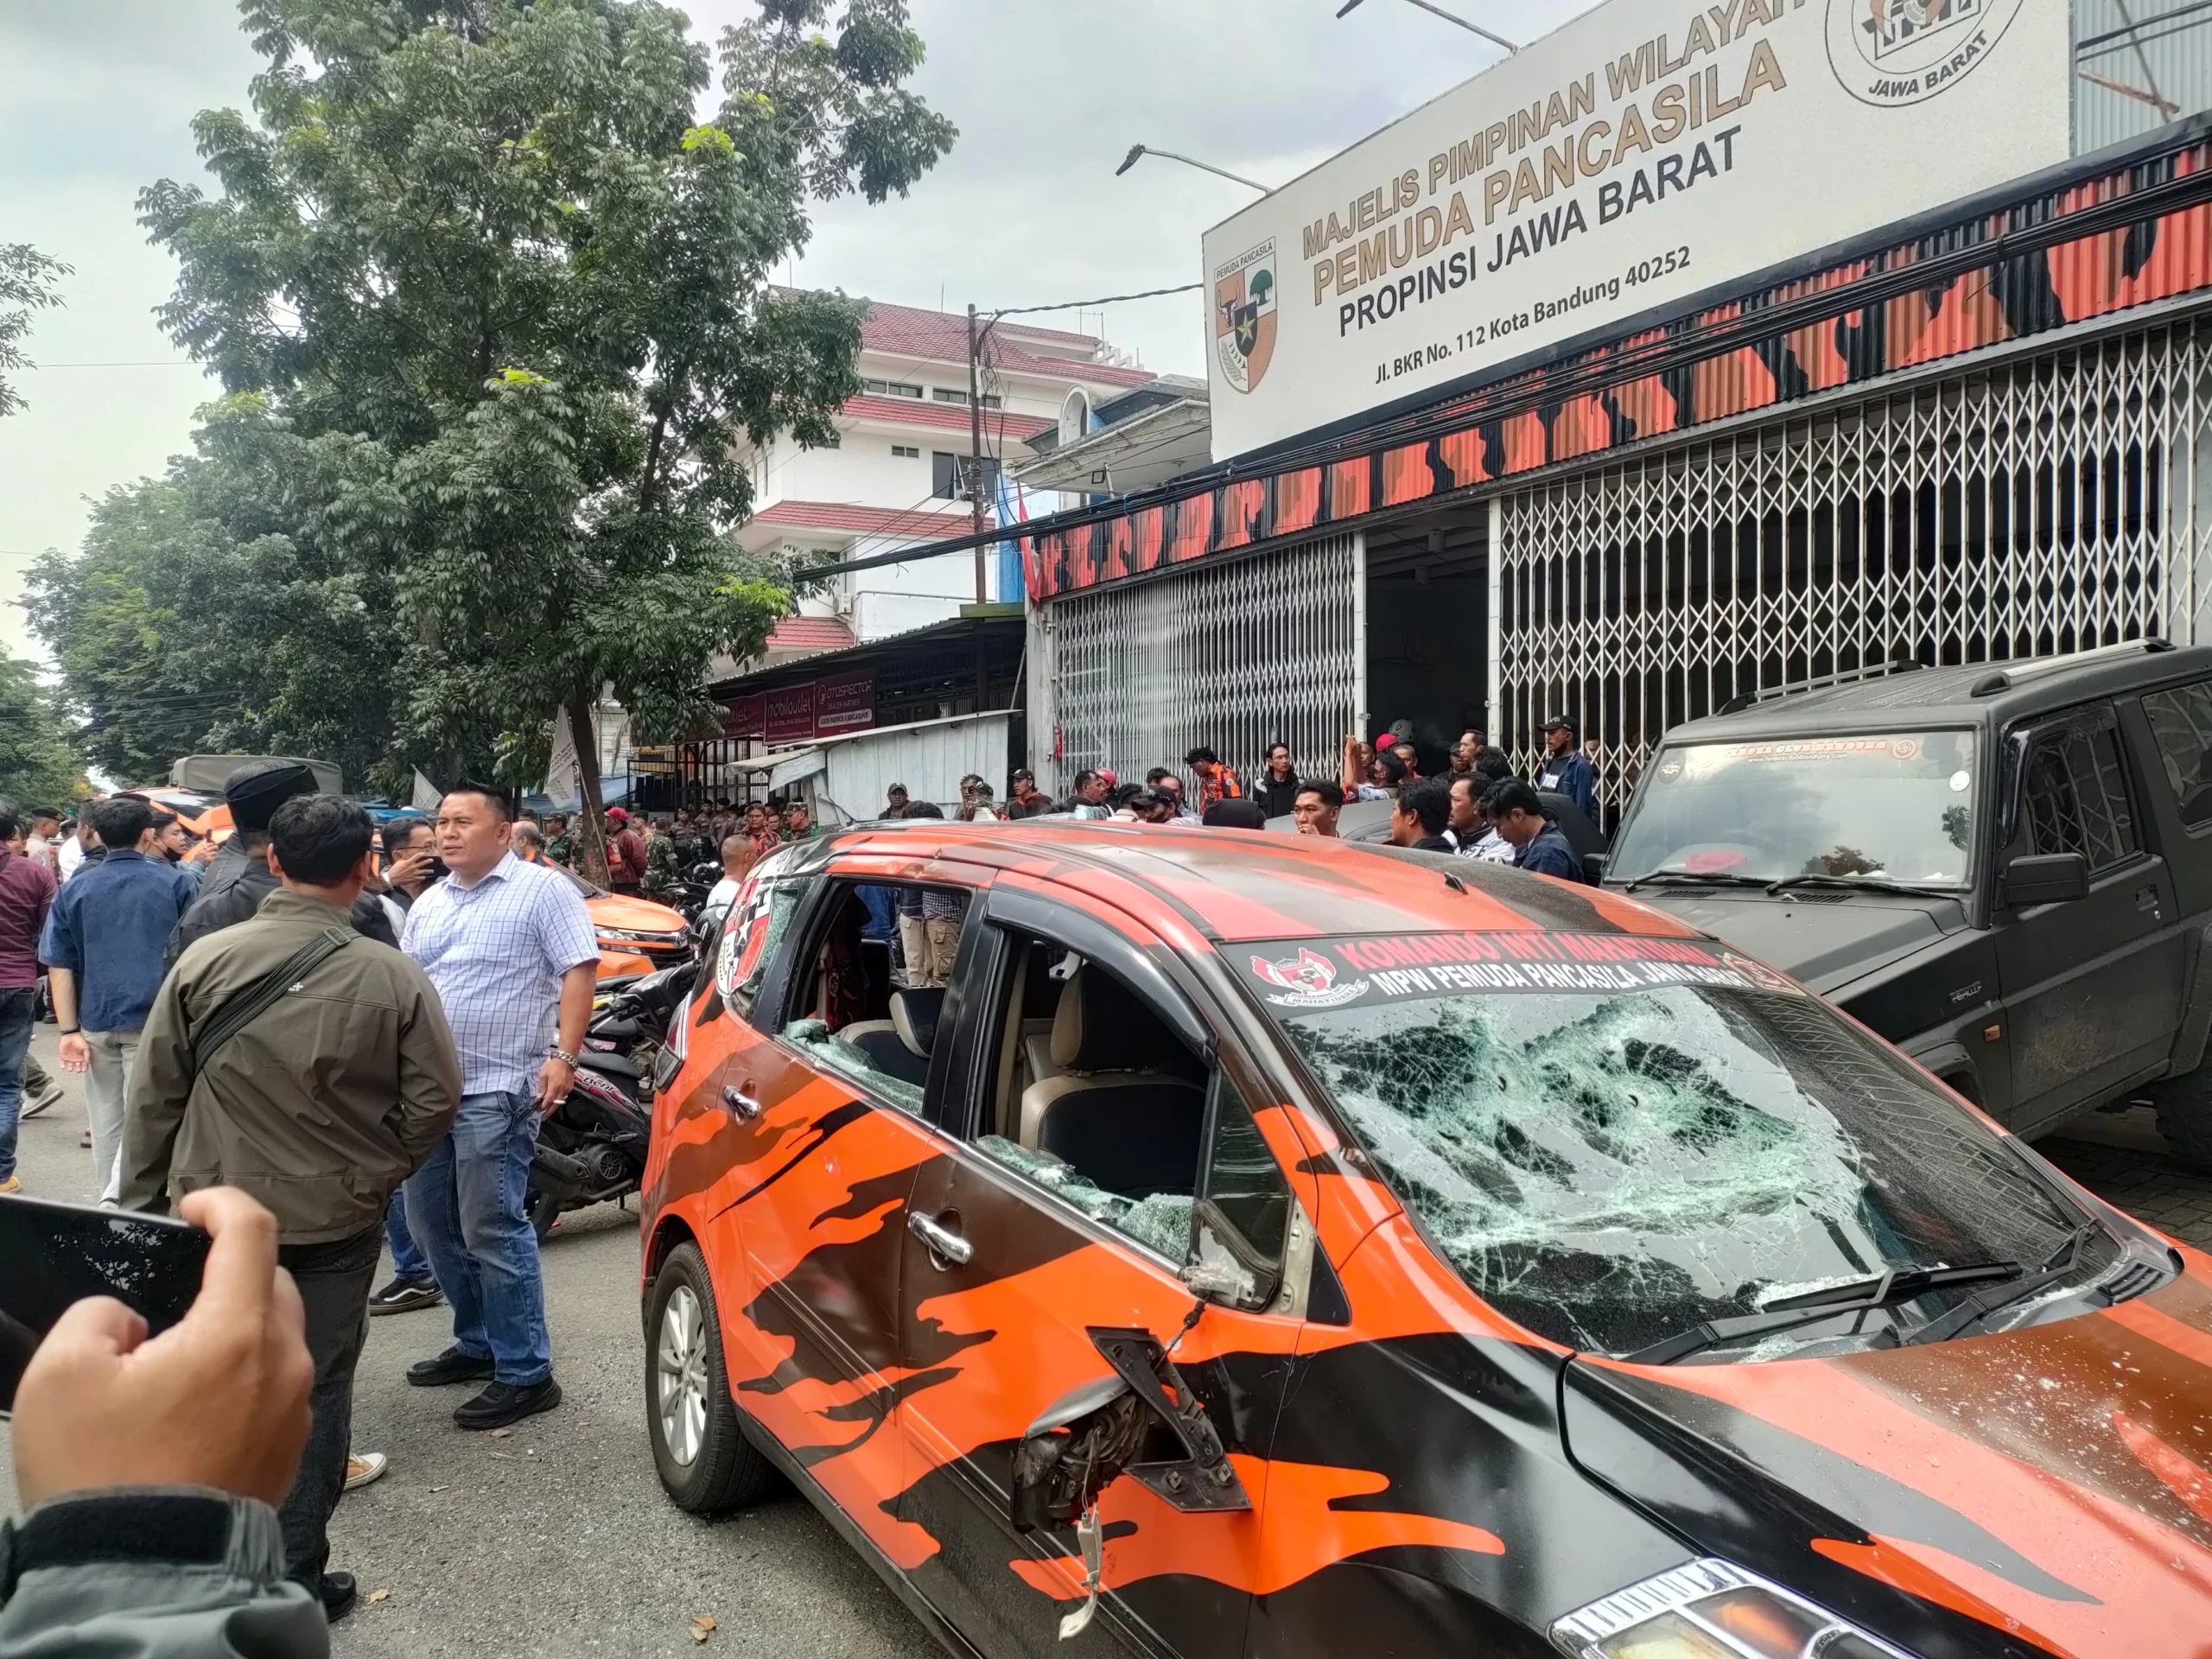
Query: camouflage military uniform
point(562, 849)
point(663, 868)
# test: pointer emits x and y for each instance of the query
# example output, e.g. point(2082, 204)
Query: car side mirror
point(1142, 1421)
point(2046, 879)
point(1223, 1267)
point(1593, 868)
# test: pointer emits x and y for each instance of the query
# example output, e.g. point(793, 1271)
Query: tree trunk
point(591, 831)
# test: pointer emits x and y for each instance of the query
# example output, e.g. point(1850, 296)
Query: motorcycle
point(689, 895)
point(591, 1146)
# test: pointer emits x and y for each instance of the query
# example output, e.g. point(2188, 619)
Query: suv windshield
point(1899, 805)
point(1613, 1140)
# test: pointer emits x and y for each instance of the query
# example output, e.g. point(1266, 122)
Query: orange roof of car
point(1236, 885)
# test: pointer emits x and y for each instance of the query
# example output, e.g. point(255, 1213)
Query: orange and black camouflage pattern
point(1426, 1477)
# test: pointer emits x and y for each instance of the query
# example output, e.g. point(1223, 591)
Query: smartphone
point(52, 1255)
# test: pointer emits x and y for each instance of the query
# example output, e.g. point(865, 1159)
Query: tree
point(39, 764)
point(30, 281)
point(490, 246)
point(234, 604)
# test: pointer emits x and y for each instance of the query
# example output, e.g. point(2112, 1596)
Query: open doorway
point(1427, 616)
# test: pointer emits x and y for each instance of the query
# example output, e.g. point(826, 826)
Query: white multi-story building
point(898, 475)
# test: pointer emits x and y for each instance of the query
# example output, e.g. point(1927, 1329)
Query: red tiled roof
point(810, 633)
point(910, 411)
point(944, 334)
point(942, 337)
point(875, 521)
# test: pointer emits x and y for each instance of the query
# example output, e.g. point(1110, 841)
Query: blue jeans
point(408, 1262)
point(16, 1009)
point(465, 1208)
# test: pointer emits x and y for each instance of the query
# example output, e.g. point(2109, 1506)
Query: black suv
point(2003, 868)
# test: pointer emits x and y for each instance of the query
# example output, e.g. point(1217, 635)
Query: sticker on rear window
point(1306, 975)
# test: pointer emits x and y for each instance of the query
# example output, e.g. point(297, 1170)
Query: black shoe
point(338, 1592)
point(451, 1366)
point(503, 1403)
point(401, 1294)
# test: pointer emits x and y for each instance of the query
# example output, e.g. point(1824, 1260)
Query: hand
point(218, 1400)
point(555, 1078)
point(76, 1053)
point(410, 871)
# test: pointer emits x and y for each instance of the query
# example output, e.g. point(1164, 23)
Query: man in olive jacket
point(319, 1107)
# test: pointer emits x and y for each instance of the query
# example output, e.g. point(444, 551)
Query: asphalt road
point(556, 1539)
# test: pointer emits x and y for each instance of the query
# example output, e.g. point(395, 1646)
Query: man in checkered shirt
point(512, 950)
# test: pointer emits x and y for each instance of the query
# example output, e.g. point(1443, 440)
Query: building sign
point(801, 713)
point(745, 717)
point(844, 703)
point(1645, 153)
point(790, 716)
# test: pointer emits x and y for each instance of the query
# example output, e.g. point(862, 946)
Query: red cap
point(1387, 741)
point(1107, 772)
point(616, 815)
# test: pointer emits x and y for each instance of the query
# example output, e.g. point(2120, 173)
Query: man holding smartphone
point(290, 1056)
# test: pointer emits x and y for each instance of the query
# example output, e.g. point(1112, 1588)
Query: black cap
point(255, 790)
point(1558, 723)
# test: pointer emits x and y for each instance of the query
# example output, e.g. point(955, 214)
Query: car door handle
point(2147, 898)
point(745, 1106)
point(941, 1240)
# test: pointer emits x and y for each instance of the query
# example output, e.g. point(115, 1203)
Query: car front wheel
point(705, 1463)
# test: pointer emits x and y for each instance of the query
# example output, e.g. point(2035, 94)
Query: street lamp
point(1472, 28)
point(1137, 151)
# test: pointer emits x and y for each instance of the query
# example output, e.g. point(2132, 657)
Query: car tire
point(705, 1463)
point(2185, 1116)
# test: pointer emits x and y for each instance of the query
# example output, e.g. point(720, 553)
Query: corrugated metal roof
point(942, 337)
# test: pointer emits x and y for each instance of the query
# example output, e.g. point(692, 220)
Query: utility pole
point(976, 455)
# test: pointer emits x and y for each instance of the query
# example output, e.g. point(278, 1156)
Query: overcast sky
point(96, 96)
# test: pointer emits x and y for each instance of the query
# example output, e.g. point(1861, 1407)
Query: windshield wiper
point(1878, 883)
point(1810, 1308)
point(2056, 1265)
point(1690, 878)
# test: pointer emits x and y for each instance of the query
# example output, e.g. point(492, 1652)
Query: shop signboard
point(844, 702)
point(745, 717)
point(1648, 152)
point(791, 715)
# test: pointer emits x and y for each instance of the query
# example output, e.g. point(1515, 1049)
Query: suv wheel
point(704, 1461)
point(2185, 1116)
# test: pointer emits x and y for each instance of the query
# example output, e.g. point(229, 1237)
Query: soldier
point(560, 845)
point(664, 868)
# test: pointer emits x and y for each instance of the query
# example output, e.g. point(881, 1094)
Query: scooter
point(591, 1146)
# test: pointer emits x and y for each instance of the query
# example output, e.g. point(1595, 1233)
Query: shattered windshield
point(1612, 1166)
point(1899, 805)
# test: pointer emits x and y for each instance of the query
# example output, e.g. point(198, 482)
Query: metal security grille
point(1232, 656)
point(2039, 507)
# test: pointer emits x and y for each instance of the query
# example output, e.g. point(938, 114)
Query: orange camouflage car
point(1229, 1244)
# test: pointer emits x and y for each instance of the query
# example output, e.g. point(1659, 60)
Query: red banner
point(747, 717)
point(791, 715)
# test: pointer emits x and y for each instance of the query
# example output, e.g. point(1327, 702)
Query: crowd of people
point(1476, 808)
point(362, 1042)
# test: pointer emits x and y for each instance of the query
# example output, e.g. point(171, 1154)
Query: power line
point(150, 363)
point(1085, 305)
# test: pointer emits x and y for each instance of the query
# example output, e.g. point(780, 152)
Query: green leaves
point(30, 281)
point(713, 139)
point(40, 765)
point(491, 294)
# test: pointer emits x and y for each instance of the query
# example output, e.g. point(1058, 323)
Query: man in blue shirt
point(511, 949)
point(1538, 847)
point(103, 949)
point(1566, 771)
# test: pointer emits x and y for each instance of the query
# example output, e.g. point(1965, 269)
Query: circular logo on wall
point(1244, 315)
point(1899, 52)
